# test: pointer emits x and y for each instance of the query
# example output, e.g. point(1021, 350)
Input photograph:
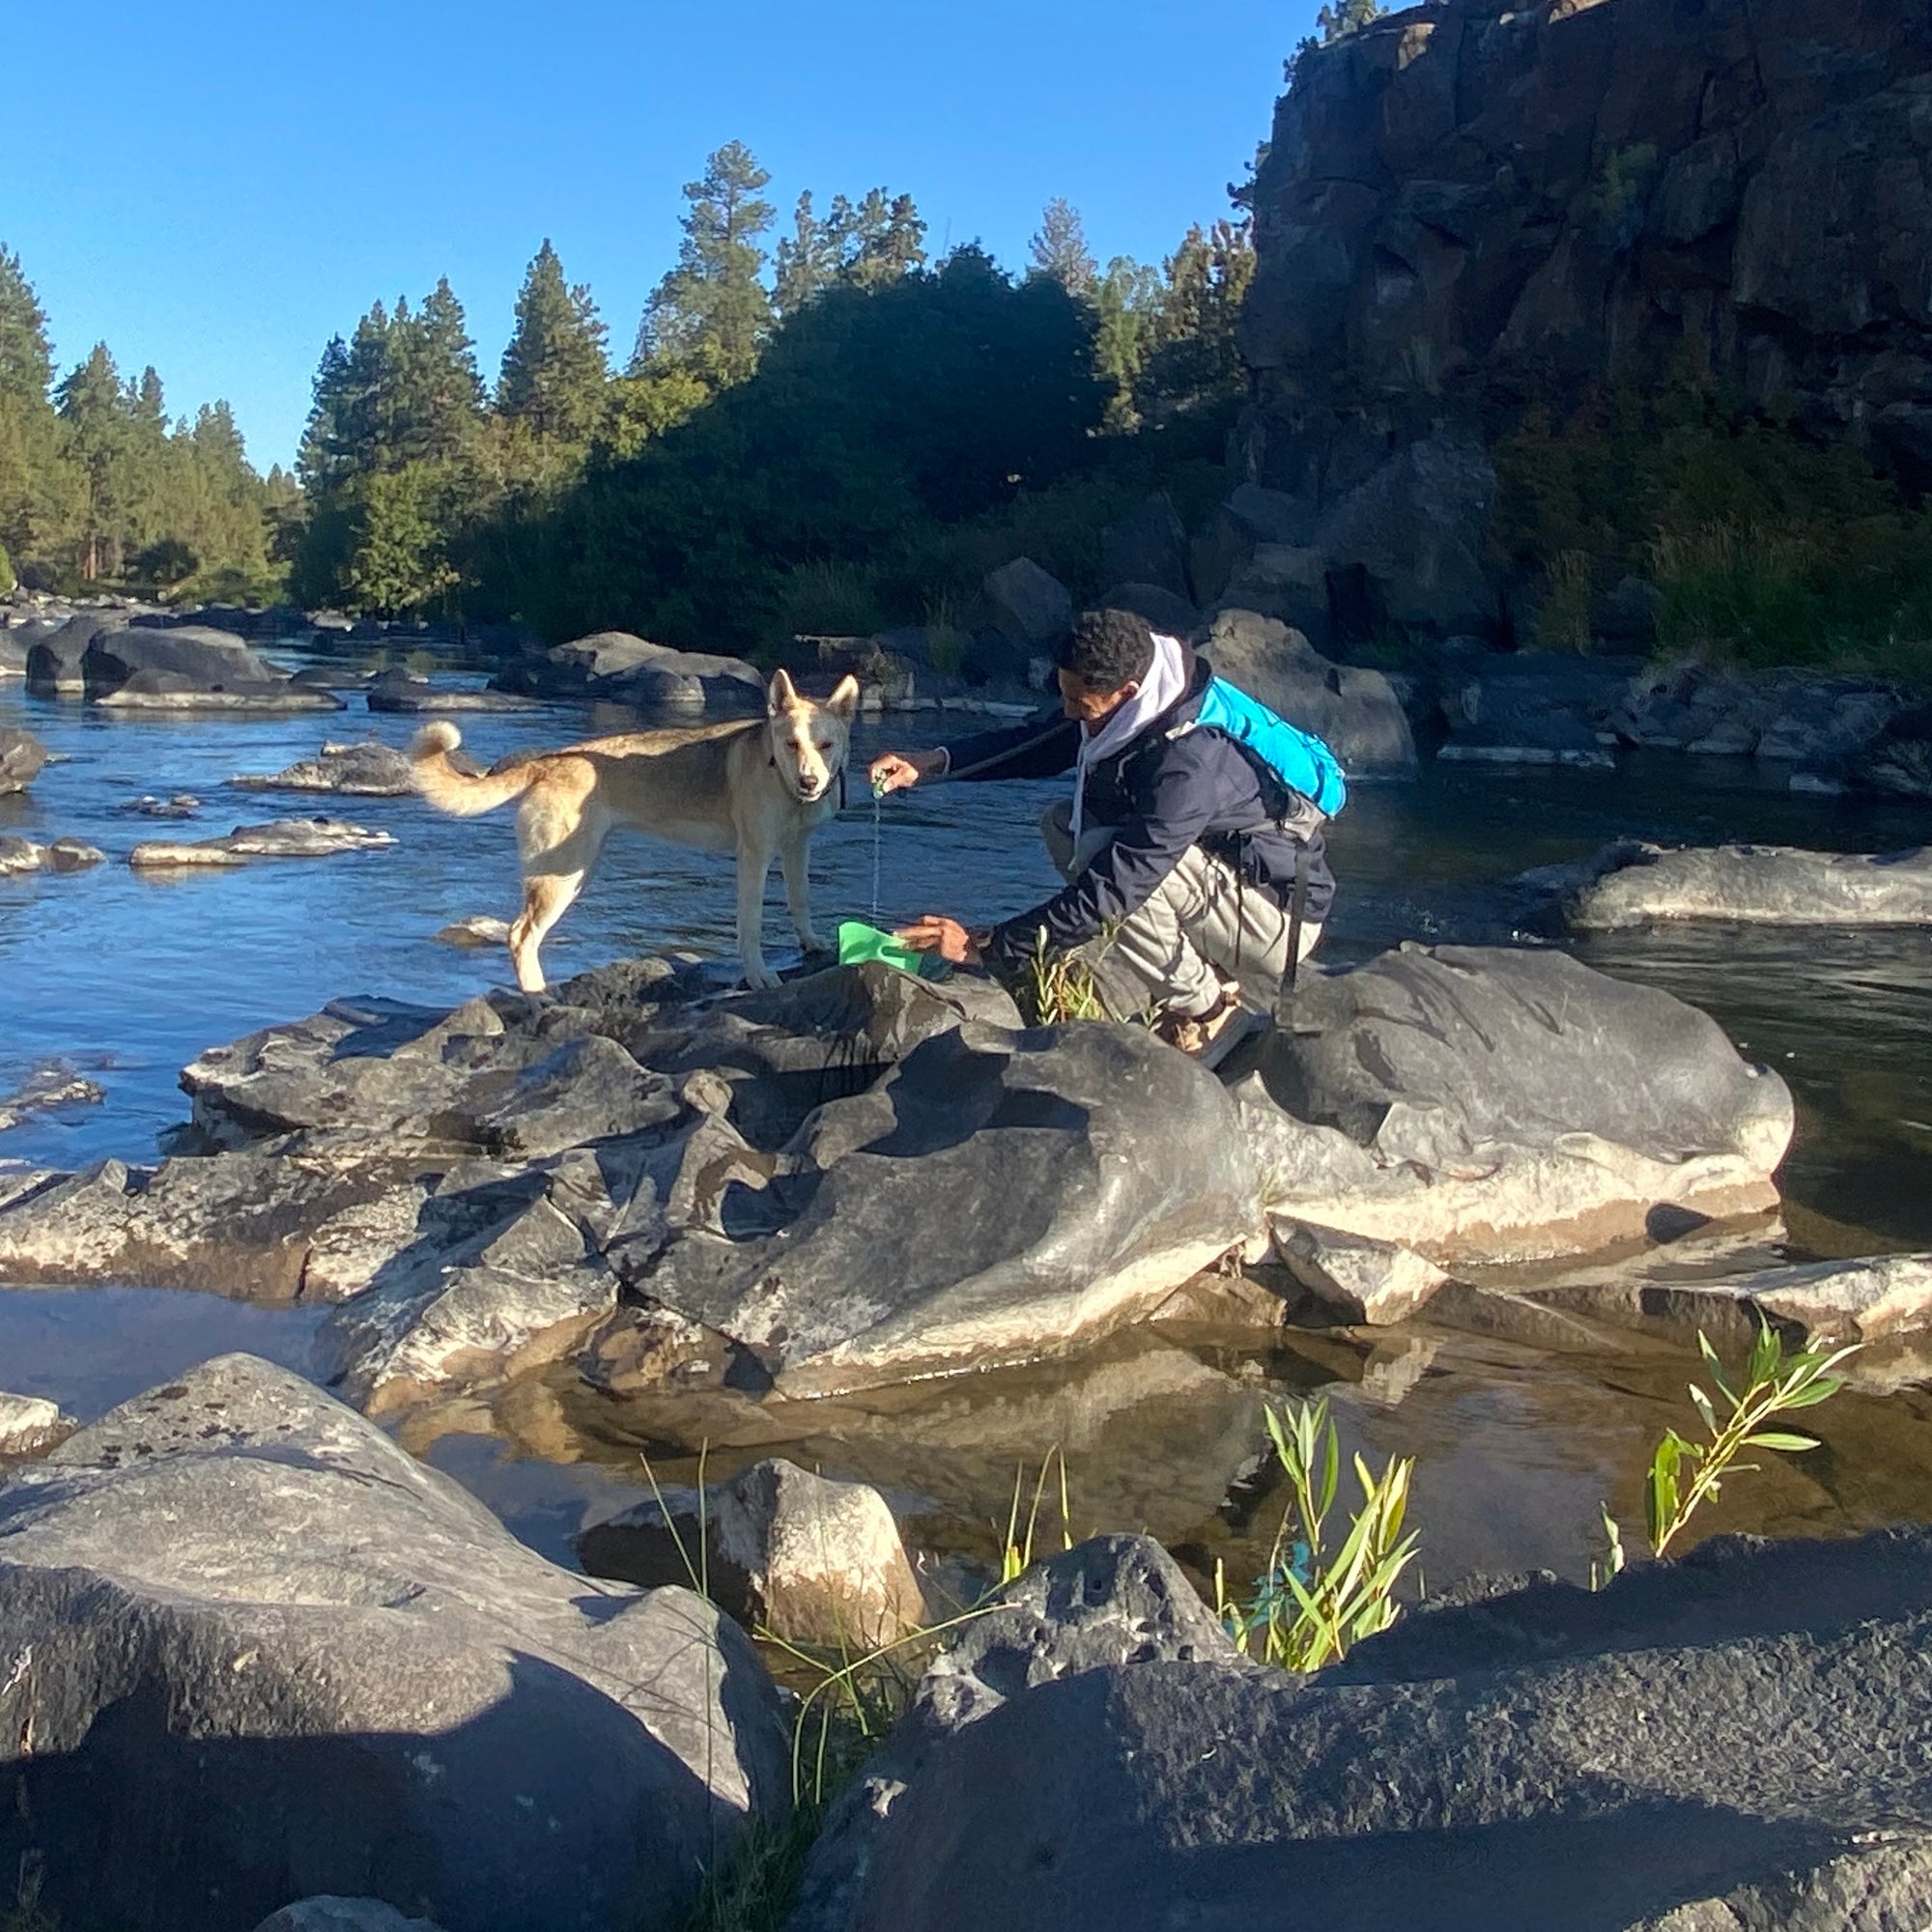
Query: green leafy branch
point(1684, 1475)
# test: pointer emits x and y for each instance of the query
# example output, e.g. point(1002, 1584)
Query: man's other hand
point(946, 937)
point(900, 771)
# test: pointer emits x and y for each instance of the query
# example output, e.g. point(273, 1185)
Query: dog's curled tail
point(458, 792)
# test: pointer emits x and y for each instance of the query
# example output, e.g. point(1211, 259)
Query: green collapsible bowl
point(859, 942)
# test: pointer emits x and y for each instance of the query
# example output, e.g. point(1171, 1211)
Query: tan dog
point(756, 788)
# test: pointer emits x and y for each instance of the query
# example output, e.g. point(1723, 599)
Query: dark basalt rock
point(257, 1650)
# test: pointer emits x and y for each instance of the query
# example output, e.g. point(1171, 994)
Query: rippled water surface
point(127, 977)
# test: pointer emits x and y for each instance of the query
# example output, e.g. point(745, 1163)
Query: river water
point(127, 977)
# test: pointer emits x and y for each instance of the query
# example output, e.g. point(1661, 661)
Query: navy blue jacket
point(1166, 789)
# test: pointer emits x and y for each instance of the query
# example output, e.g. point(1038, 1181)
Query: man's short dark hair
point(1106, 649)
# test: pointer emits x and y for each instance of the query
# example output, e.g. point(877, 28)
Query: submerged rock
point(362, 770)
point(22, 757)
point(279, 839)
point(56, 1085)
point(479, 930)
point(272, 1655)
point(342, 1914)
point(1718, 1742)
point(183, 805)
point(1491, 1103)
point(1632, 885)
point(781, 1549)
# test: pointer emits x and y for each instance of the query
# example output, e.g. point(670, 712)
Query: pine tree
point(26, 361)
point(98, 433)
point(554, 372)
point(805, 262)
point(711, 313)
point(1197, 355)
point(1060, 249)
point(1129, 298)
point(440, 403)
point(40, 488)
point(877, 241)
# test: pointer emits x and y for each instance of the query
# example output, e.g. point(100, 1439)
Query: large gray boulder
point(626, 670)
point(1414, 532)
point(55, 657)
point(190, 667)
point(256, 1652)
point(1485, 1103)
point(1110, 1603)
point(1636, 885)
point(1028, 607)
point(1725, 1742)
point(1148, 545)
point(996, 1196)
point(22, 759)
point(1355, 711)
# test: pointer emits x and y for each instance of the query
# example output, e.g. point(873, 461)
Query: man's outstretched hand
point(900, 771)
point(946, 937)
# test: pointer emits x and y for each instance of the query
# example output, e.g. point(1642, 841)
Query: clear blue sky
point(216, 188)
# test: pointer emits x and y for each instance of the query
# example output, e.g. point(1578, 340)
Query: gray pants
point(1201, 928)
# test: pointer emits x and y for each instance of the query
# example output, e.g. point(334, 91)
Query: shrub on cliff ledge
point(1768, 548)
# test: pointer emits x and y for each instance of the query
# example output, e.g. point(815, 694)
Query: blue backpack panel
point(1298, 758)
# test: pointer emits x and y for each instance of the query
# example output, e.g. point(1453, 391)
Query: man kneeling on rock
point(1193, 866)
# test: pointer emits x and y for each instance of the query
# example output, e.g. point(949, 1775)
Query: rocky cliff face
point(1465, 210)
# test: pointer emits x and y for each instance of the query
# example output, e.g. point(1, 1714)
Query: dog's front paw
point(759, 976)
point(813, 942)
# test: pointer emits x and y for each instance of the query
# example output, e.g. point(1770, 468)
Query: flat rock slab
point(1818, 1302)
point(357, 770)
point(1720, 1741)
point(1491, 1103)
point(260, 1653)
point(1780, 884)
point(398, 691)
point(279, 839)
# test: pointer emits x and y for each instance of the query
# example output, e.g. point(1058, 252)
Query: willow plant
point(1684, 1475)
point(1310, 1605)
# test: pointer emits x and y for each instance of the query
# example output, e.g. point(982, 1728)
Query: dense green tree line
point(796, 431)
point(99, 488)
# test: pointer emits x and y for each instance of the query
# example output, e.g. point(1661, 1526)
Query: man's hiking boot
point(1211, 1037)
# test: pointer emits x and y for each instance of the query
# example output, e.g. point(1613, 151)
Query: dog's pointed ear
point(780, 696)
point(845, 699)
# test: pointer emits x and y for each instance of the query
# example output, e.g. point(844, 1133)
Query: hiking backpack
point(1298, 758)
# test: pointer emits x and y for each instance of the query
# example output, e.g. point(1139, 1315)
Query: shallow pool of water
point(127, 977)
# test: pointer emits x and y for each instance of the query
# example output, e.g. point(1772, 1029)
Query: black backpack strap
point(1297, 916)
